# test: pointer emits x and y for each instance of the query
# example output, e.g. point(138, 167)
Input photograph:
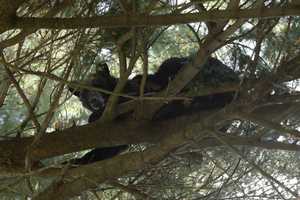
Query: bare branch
point(148, 20)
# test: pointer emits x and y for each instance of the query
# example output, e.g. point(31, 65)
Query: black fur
point(213, 73)
point(99, 154)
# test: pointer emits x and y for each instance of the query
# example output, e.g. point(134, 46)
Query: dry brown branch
point(29, 30)
point(257, 167)
point(21, 93)
point(144, 20)
point(88, 136)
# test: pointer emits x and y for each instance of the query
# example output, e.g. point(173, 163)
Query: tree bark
point(148, 20)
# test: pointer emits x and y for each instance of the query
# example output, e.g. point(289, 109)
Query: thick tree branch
point(89, 176)
point(149, 20)
point(86, 177)
point(7, 13)
point(101, 135)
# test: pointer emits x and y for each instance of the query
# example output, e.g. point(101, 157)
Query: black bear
point(213, 73)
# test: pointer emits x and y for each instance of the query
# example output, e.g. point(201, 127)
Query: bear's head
point(93, 99)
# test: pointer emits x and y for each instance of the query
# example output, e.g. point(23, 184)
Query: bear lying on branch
point(213, 73)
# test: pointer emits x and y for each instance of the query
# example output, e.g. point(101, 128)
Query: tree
point(47, 45)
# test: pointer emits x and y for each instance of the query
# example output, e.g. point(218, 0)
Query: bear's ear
point(74, 91)
point(103, 69)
